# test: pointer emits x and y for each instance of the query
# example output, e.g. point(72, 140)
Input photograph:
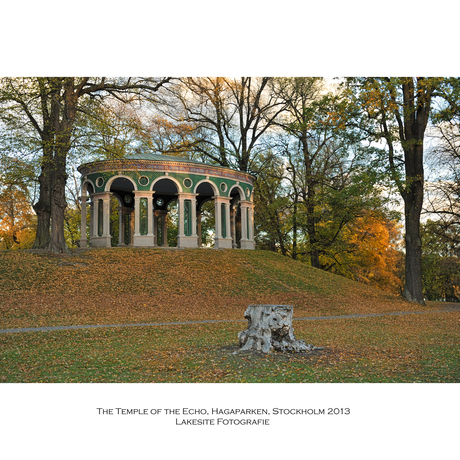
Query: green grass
point(412, 348)
point(140, 285)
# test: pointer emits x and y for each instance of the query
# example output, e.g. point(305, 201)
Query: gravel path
point(448, 308)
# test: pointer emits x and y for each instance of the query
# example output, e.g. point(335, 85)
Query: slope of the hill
point(129, 285)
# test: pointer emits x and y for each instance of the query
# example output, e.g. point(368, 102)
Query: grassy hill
point(131, 286)
point(147, 285)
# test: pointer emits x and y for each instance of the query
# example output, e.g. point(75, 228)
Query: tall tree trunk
point(412, 124)
point(311, 229)
point(310, 203)
point(58, 206)
point(63, 124)
point(294, 230)
point(413, 290)
point(416, 110)
point(413, 200)
point(281, 240)
point(43, 209)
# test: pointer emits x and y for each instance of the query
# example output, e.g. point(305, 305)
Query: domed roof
point(149, 161)
point(159, 157)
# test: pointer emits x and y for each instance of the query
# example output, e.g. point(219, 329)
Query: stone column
point(219, 241)
point(227, 220)
point(137, 199)
point(233, 214)
point(83, 240)
point(91, 221)
point(180, 208)
point(218, 217)
point(143, 240)
point(104, 240)
point(244, 221)
point(94, 217)
point(183, 240)
point(198, 225)
point(106, 215)
point(251, 222)
point(247, 225)
point(150, 226)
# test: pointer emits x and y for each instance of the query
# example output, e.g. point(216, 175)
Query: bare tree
point(228, 116)
point(443, 193)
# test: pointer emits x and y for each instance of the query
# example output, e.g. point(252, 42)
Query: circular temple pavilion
point(144, 185)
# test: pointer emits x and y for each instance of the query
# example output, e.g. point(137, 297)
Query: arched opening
point(172, 223)
point(122, 212)
point(235, 216)
point(205, 215)
point(206, 224)
point(116, 215)
point(166, 213)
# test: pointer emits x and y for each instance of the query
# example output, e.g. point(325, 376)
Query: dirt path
point(447, 308)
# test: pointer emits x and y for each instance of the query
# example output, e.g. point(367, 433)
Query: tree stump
point(270, 328)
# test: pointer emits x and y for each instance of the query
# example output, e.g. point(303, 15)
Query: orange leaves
point(374, 257)
point(16, 219)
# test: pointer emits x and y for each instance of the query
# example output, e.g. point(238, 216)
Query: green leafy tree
point(329, 187)
point(272, 203)
point(440, 262)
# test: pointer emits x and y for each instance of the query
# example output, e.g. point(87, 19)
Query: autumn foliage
point(178, 288)
point(16, 219)
point(373, 253)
